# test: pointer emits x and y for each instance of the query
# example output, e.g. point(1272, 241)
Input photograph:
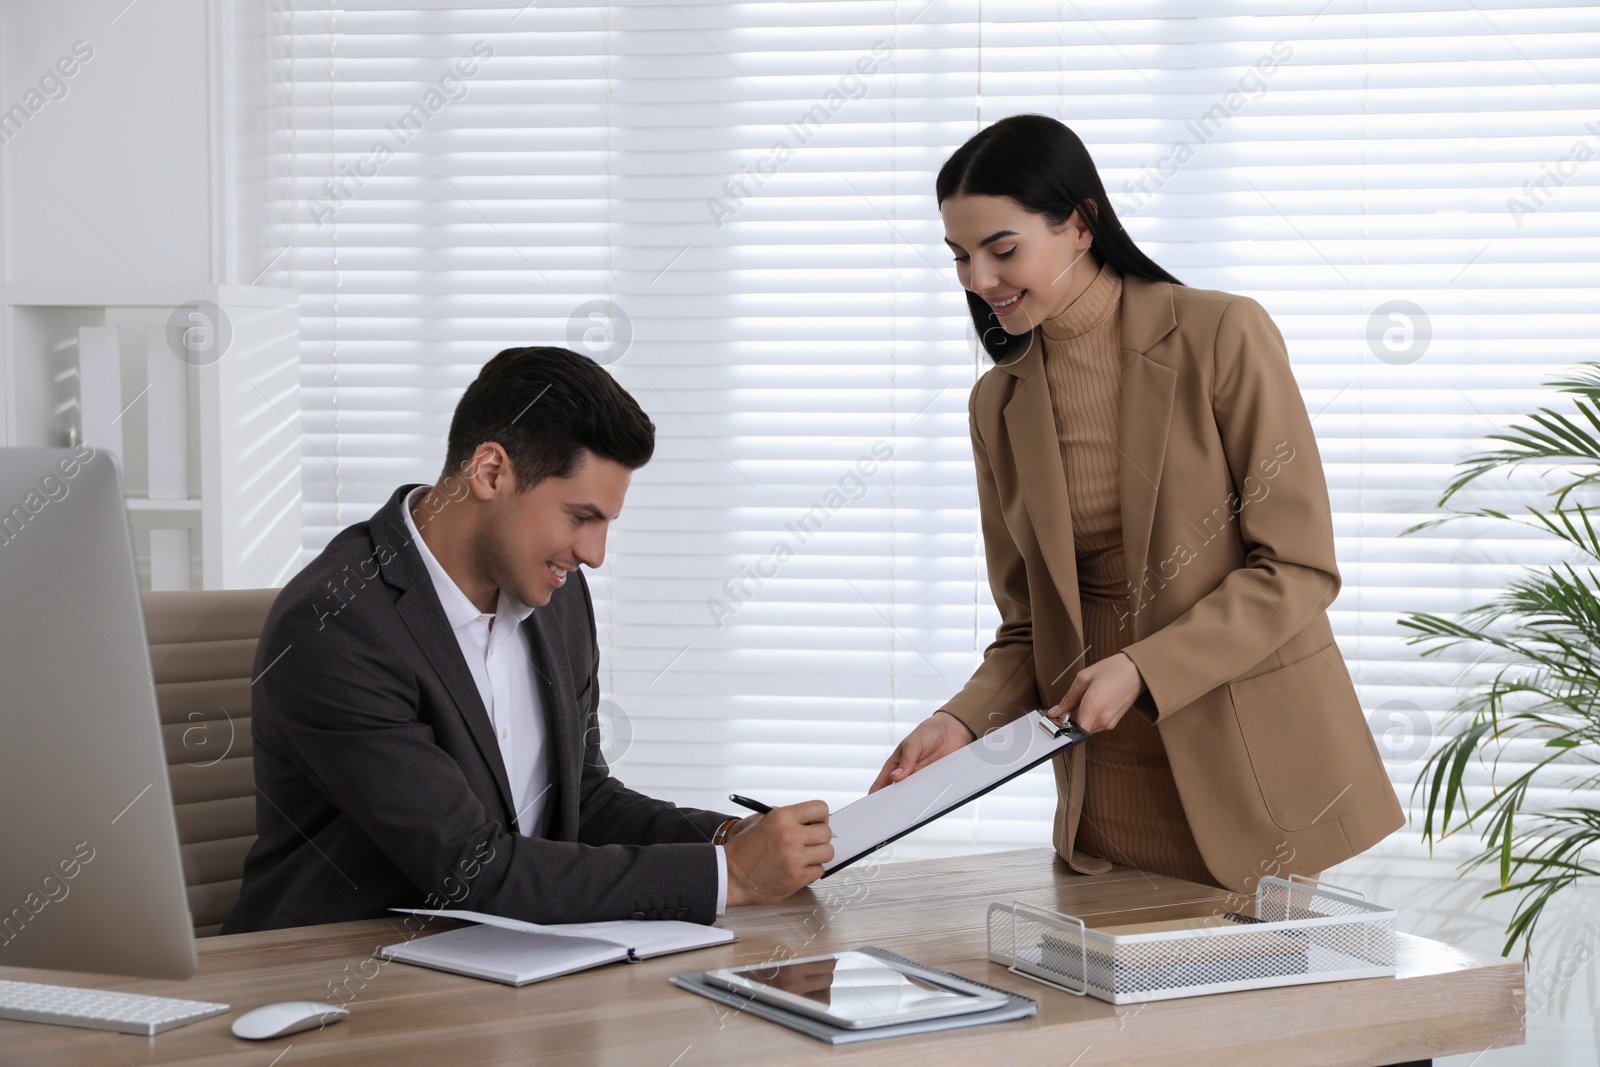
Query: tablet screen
point(858, 989)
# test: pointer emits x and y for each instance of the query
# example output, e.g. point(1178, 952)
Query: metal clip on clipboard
point(1067, 728)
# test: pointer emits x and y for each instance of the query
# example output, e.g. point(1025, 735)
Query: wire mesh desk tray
point(1306, 932)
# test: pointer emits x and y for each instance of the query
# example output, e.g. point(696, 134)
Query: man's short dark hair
point(546, 407)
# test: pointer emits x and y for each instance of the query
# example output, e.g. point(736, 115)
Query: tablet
point(856, 991)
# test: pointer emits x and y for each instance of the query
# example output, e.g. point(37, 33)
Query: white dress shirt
point(497, 653)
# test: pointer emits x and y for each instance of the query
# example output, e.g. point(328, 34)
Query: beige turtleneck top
point(1131, 811)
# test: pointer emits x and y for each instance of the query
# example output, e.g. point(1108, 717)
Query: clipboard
point(861, 828)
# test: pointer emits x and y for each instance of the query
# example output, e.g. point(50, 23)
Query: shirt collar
point(459, 611)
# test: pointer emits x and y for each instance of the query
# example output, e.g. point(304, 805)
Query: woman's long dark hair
point(1043, 166)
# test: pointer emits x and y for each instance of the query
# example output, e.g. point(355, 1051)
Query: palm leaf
point(1547, 438)
point(1544, 630)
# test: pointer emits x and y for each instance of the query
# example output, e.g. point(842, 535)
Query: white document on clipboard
point(944, 785)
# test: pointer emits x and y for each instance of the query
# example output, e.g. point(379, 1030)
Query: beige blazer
point(1228, 539)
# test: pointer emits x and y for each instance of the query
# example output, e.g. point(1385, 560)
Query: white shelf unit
point(240, 435)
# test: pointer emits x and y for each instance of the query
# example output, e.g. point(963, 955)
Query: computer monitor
point(91, 877)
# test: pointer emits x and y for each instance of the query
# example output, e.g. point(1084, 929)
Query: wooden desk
point(1444, 1000)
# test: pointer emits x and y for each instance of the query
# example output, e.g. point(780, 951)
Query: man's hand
point(1101, 694)
point(934, 738)
point(773, 855)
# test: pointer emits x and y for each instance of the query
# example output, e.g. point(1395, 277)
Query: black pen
point(753, 805)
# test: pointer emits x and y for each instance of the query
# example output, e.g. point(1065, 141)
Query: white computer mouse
point(289, 1017)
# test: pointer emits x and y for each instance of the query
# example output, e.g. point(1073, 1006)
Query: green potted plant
point(1543, 703)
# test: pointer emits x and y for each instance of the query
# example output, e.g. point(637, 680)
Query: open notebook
point(516, 952)
point(944, 785)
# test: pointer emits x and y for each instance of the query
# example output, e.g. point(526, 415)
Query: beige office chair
point(202, 645)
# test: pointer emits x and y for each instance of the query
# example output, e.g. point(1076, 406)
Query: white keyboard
point(99, 1009)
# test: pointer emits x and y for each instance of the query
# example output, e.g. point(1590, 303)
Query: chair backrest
point(202, 645)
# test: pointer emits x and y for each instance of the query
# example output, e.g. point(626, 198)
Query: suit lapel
point(1031, 426)
point(424, 617)
point(1145, 411)
point(564, 728)
point(1144, 416)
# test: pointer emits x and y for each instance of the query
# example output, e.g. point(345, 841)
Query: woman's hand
point(934, 738)
point(1101, 694)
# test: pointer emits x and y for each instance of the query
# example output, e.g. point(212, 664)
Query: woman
point(1159, 542)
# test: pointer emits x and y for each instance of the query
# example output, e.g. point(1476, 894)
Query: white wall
point(134, 162)
point(147, 168)
point(110, 183)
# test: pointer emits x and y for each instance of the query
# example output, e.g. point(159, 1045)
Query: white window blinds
point(731, 204)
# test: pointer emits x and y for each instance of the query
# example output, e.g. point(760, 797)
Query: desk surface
point(1444, 1000)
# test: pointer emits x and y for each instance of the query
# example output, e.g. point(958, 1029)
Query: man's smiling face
point(531, 541)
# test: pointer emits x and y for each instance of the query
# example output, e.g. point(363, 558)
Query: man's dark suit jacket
point(379, 783)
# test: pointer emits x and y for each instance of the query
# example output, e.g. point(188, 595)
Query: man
point(425, 722)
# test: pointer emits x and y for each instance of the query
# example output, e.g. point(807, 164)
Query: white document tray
point(1310, 933)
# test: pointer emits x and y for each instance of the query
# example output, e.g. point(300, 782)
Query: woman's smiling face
point(1024, 267)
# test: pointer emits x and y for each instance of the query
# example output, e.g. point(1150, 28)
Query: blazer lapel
point(562, 722)
point(1031, 427)
point(1144, 415)
point(419, 608)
